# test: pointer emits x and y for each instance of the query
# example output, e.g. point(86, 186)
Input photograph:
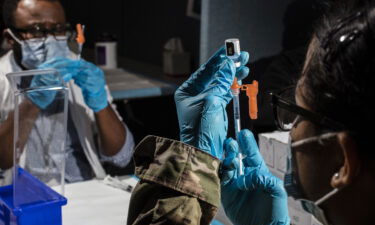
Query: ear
point(8, 38)
point(352, 163)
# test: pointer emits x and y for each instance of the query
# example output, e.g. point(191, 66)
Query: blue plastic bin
point(42, 204)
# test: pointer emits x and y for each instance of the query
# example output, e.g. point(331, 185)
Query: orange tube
point(252, 93)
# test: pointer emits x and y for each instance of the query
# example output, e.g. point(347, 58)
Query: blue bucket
point(40, 204)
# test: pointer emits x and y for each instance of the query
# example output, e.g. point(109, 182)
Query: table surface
point(96, 203)
point(135, 79)
point(125, 84)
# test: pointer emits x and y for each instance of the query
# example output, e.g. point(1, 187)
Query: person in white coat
point(38, 33)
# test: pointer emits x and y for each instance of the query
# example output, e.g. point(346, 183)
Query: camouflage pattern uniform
point(179, 184)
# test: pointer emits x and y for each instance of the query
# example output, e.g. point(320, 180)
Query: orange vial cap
point(80, 34)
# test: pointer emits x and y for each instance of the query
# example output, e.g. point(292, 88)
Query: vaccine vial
point(233, 50)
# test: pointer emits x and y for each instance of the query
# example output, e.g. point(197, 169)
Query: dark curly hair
point(339, 74)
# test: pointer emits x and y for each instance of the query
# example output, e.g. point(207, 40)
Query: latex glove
point(202, 99)
point(257, 197)
point(87, 76)
point(67, 68)
point(43, 99)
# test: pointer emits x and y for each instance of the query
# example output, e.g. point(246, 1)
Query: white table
point(125, 84)
point(95, 203)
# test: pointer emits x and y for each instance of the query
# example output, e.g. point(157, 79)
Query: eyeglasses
point(58, 31)
point(287, 113)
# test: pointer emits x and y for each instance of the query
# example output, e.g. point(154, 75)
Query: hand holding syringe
point(233, 52)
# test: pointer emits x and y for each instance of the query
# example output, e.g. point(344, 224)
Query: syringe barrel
point(237, 123)
point(236, 106)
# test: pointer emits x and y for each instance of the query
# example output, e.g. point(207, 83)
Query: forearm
point(179, 182)
point(27, 115)
point(6, 142)
point(112, 132)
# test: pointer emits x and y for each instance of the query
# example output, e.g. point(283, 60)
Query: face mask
point(293, 185)
point(36, 51)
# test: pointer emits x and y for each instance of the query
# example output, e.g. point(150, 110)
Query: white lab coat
point(82, 116)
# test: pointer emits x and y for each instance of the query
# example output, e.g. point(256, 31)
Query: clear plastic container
point(40, 123)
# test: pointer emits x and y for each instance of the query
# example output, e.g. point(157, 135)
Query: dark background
point(142, 27)
point(275, 33)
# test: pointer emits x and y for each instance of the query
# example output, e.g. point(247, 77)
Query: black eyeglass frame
point(278, 101)
point(66, 27)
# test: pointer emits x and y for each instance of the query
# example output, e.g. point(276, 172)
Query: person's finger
point(212, 64)
point(223, 79)
point(85, 65)
point(228, 97)
point(203, 77)
point(213, 118)
point(65, 67)
point(215, 58)
point(230, 163)
point(50, 62)
point(230, 148)
point(242, 72)
point(59, 62)
point(244, 58)
point(257, 180)
point(67, 77)
point(250, 149)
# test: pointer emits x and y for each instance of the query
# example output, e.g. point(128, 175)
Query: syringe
point(233, 52)
point(237, 117)
point(80, 38)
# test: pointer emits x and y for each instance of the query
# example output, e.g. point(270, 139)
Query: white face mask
point(36, 51)
point(293, 186)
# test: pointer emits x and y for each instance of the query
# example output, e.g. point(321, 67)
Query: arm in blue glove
point(257, 197)
point(202, 99)
point(92, 83)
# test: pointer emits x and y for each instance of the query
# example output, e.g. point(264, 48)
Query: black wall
point(265, 28)
point(142, 27)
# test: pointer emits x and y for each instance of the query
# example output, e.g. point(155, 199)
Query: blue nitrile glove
point(202, 99)
point(87, 76)
point(67, 68)
point(43, 99)
point(257, 197)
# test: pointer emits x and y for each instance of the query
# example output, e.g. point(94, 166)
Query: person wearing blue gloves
point(330, 161)
point(39, 36)
point(180, 179)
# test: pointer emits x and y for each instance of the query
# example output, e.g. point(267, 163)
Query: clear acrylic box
point(40, 127)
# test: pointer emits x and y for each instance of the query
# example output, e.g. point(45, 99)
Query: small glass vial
point(233, 50)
